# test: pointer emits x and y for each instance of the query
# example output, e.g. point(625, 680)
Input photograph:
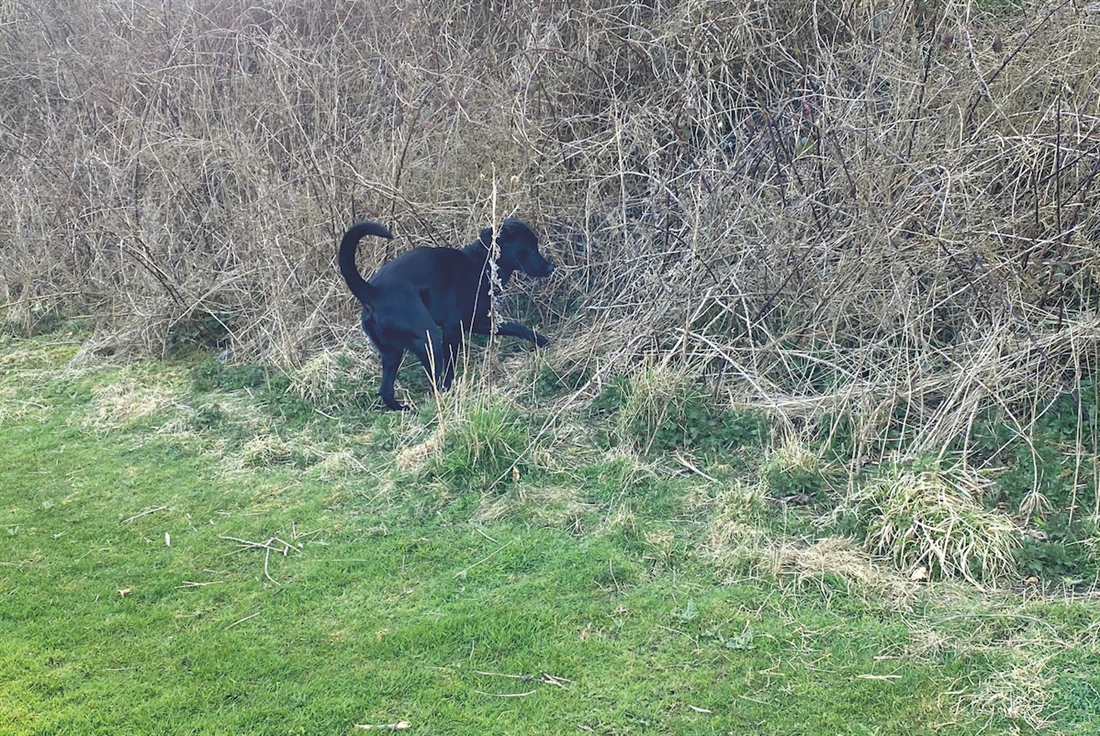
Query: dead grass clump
point(337, 465)
point(124, 401)
point(34, 365)
point(622, 520)
point(932, 519)
point(1025, 645)
point(651, 404)
point(661, 408)
point(333, 376)
point(1021, 692)
point(27, 357)
point(835, 556)
point(16, 406)
point(415, 457)
point(268, 450)
point(476, 439)
point(835, 563)
point(545, 504)
point(738, 539)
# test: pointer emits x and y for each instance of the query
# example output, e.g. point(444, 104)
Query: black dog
point(423, 300)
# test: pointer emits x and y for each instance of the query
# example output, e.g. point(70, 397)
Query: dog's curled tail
point(359, 287)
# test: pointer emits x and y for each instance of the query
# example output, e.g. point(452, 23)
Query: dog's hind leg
point(432, 354)
point(452, 347)
point(391, 361)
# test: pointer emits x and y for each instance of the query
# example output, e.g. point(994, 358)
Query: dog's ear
point(487, 237)
point(515, 229)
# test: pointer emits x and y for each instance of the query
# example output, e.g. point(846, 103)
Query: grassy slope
point(396, 603)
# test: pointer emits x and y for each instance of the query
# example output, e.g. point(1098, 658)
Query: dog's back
point(442, 279)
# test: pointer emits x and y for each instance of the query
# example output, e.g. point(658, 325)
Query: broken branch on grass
point(241, 621)
point(296, 535)
point(146, 512)
point(35, 404)
point(462, 573)
point(506, 695)
point(687, 464)
point(544, 677)
point(482, 533)
point(245, 544)
point(268, 548)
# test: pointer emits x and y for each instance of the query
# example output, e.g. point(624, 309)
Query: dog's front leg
point(514, 329)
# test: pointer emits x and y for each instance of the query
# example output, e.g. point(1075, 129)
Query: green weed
point(794, 470)
point(548, 382)
point(657, 410)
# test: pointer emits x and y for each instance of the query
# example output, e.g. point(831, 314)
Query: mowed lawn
point(181, 560)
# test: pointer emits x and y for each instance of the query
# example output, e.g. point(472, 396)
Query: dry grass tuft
point(1020, 692)
point(933, 519)
point(474, 439)
point(831, 556)
point(414, 458)
point(266, 450)
point(544, 504)
point(338, 465)
point(124, 401)
point(35, 365)
point(329, 374)
point(737, 539)
point(793, 469)
point(650, 403)
point(1023, 686)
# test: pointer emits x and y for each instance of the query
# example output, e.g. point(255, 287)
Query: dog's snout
point(535, 265)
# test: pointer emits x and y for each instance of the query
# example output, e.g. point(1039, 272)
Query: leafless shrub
point(864, 210)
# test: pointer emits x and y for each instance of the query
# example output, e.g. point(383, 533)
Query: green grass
point(581, 597)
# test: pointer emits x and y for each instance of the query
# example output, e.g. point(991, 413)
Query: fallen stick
point(267, 547)
point(146, 512)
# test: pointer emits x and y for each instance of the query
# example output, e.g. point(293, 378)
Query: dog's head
point(519, 250)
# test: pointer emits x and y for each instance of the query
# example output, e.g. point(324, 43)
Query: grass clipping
point(931, 522)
